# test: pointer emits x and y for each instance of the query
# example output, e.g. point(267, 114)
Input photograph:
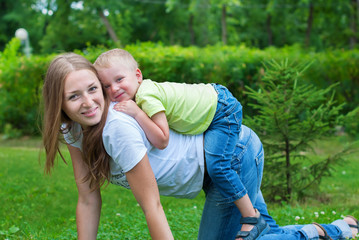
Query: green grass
point(36, 206)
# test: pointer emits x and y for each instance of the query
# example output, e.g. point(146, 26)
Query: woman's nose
point(87, 100)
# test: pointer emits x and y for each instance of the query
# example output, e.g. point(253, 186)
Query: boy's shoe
point(326, 236)
point(260, 228)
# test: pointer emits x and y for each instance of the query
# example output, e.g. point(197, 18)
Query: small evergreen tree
point(291, 115)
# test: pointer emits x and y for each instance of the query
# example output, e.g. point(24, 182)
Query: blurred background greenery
point(65, 25)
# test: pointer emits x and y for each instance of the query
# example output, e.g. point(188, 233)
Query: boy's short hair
point(113, 56)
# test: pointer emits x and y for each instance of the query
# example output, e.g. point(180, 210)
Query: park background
point(231, 42)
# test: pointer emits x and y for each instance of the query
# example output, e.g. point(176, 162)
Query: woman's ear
point(139, 75)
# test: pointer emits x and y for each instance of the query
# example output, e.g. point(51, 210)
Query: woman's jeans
point(220, 143)
point(336, 230)
point(220, 218)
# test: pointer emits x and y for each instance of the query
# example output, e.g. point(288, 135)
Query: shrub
point(291, 116)
point(21, 78)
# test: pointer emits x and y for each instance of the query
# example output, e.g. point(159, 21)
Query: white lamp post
point(22, 34)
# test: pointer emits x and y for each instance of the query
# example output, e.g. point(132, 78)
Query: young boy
point(187, 109)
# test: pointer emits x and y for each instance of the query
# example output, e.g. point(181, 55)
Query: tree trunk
point(353, 24)
point(269, 29)
point(224, 24)
point(108, 26)
point(288, 170)
point(191, 31)
point(309, 25)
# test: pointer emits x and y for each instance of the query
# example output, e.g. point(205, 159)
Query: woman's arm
point(156, 127)
point(89, 203)
point(144, 187)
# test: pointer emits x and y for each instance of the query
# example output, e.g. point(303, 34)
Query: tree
point(20, 14)
point(309, 24)
point(291, 117)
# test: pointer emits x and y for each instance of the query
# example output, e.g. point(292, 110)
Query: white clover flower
point(118, 214)
point(334, 212)
point(344, 172)
point(302, 218)
point(322, 212)
point(195, 207)
point(297, 218)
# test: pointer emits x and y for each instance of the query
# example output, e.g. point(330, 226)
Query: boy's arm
point(156, 128)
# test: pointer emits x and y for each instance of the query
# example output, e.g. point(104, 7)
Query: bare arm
point(89, 203)
point(156, 128)
point(144, 187)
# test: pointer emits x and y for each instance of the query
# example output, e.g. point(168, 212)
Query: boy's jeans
point(220, 141)
point(220, 218)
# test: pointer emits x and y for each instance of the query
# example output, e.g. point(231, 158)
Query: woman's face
point(83, 98)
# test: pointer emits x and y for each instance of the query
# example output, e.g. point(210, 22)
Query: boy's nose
point(114, 88)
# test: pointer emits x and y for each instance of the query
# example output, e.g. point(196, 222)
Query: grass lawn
point(36, 206)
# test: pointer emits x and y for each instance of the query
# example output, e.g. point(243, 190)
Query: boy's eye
point(119, 79)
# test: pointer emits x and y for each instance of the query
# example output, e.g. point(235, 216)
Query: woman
point(76, 106)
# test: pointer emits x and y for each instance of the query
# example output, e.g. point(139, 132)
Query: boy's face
point(119, 82)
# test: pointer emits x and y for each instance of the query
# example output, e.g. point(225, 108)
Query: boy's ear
point(139, 75)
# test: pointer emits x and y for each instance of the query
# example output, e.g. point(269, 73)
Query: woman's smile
point(83, 98)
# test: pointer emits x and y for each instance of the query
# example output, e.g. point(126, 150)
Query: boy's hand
point(129, 107)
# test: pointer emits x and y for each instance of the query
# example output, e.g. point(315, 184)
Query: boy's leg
point(220, 142)
point(220, 219)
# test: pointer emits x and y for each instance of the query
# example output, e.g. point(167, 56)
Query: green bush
point(21, 78)
point(21, 81)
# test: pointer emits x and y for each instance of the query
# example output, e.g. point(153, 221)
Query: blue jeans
point(220, 218)
point(220, 143)
point(336, 230)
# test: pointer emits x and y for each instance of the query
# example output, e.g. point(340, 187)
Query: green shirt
point(189, 108)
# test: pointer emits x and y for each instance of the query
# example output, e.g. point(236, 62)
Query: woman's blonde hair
point(56, 122)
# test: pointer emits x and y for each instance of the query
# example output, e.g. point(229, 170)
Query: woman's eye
point(73, 97)
point(92, 89)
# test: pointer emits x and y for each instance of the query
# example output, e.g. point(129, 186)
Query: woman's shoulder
point(121, 124)
point(72, 134)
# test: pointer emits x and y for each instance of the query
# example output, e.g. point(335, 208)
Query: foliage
point(21, 78)
point(291, 115)
point(65, 25)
